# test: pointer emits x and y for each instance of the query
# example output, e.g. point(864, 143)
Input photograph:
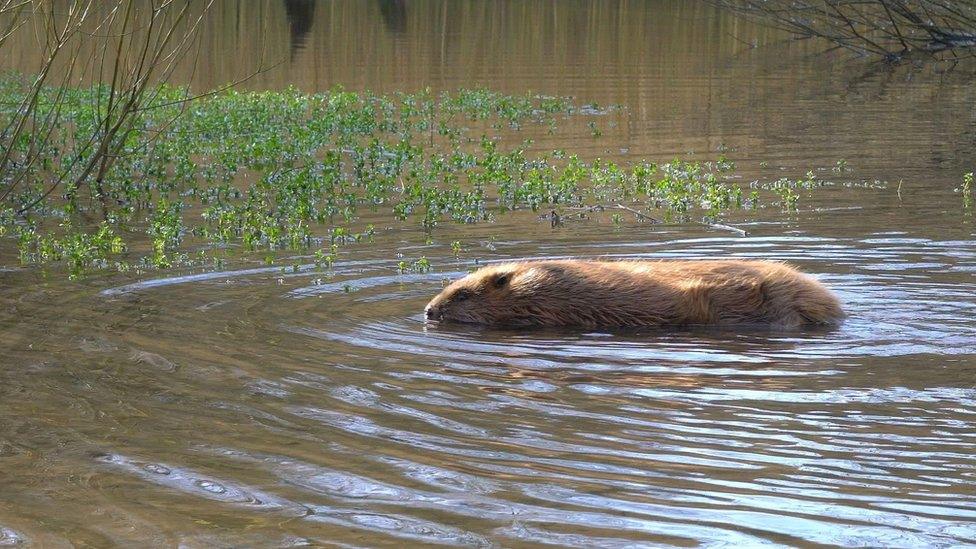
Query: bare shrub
point(892, 29)
point(127, 45)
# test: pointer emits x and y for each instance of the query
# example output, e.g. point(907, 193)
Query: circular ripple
point(185, 480)
point(350, 411)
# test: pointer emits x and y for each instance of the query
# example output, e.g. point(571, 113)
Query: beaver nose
point(432, 313)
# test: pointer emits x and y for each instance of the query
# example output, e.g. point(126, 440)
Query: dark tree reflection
point(299, 13)
point(394, 14)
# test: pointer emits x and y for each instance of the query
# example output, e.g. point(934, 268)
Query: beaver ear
point(502, 279)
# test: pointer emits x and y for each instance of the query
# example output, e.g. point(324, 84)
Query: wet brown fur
point(637, 293)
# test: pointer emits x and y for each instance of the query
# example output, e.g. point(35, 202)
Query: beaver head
point(478, 298)
point(510, 293)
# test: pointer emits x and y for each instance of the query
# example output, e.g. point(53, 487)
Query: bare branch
point(891, 29)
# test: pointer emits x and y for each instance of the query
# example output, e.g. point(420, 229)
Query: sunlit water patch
point(8, 537)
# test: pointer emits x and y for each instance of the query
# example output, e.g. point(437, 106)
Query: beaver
point(595, 294)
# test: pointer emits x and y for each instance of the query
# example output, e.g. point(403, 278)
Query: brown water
point(254, 407)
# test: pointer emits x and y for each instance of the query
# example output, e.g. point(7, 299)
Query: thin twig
point(639, 214)
point(724, 227)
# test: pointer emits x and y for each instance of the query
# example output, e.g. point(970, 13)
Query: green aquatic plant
point(594, 130)
point(81, 250)
point(967, 190)
point(166, 230)
point(285, 170)
point(421, 265)
point(787, 190)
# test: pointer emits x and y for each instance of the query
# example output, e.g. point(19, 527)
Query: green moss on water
point(289, 170)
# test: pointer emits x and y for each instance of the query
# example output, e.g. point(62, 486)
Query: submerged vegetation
point(289, 170)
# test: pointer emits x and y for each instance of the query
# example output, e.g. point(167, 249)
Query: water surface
point(267, 407)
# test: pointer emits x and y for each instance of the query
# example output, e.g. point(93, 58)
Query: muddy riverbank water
point(256, 407)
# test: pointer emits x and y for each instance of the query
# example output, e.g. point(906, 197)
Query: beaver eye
point(462, 295)
point(502, 280)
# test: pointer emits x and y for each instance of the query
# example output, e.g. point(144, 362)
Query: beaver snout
point(432, 313)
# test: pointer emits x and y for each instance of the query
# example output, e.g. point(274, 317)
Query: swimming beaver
point(636, 293)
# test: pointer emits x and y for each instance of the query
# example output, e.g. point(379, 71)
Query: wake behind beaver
point(606, 294)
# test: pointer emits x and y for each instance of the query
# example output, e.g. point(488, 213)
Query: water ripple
point(368, 423)
point(185, 480)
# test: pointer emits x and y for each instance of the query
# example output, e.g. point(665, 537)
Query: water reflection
point(687, 71)
point(301, 15)
point(394, 13)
